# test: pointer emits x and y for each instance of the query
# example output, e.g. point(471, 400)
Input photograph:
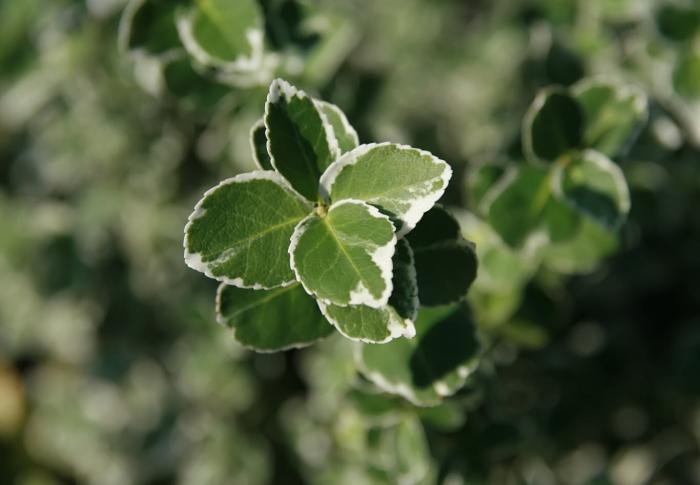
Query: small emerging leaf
point(258, 145)
point(596, 187)
point(342, 129)
point(300, 139)
point(613, 114)
point(445, 262)
point(271, 320)
point(344, 257)
point(433, 365)
point(552, 126)
point(403, 182)
point(239, 232)
point(380, 325)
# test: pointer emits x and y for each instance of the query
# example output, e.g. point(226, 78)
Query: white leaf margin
point(349, 129)
point(396, 326)
point(417, 208)
point(381, 256)
point(279, 88)
point(255, 37)
point(601, 161)
point(251, 140)
point(194, 260)
point(441, 388)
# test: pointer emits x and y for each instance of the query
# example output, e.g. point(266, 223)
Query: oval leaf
point(431, 366)
point(344, 257)
point(595, 186)
point(380, 325)
point(342, 129)
point(613, 114)
point(300, 139)
point(445, 262)
point(258, 145)
point(239, 232)
point(552, 126)
point(223, 34)
point(402, 181)
point(518, 203)
point(149, 25)
point(271, 320)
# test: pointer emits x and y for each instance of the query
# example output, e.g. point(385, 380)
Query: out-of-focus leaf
point(613, 114)
point(552, 126)
point(677, 21)
point(223, 34)
point(686, 75)
point(594, 186)
point(433, 365)
point(516, 211)
point(149, 25)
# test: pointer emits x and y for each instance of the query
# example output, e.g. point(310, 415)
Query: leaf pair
point(568, 137)
point(327, 219)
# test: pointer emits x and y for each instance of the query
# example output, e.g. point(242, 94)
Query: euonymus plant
point(568, 181)
point(331, 234)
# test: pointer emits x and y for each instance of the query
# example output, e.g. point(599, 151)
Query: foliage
point(571, 130)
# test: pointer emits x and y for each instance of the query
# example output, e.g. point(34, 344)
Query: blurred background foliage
point(112, 368)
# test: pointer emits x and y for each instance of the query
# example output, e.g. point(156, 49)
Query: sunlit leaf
point(403, 182)
point(239, 232)
point(300, 139)
point(344, 257)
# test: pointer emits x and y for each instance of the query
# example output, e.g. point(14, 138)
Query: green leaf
point(518, 204)
point(271, 320)
point(480, 182)
point(561, 221)
point(445, 262)
point(380, 325)
point(552, 126)
point(342, 129)
point(149, 25)
point(435, 364)
point(581, 253)
point(344, 257)
point(613, 114)
point(595, 186)
point(403, 182)
point(223, 34)
point(300, 139)
point(407, 455)
point(258, 145)
point(678, 22)
point(686, 75)
point(240, 231)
